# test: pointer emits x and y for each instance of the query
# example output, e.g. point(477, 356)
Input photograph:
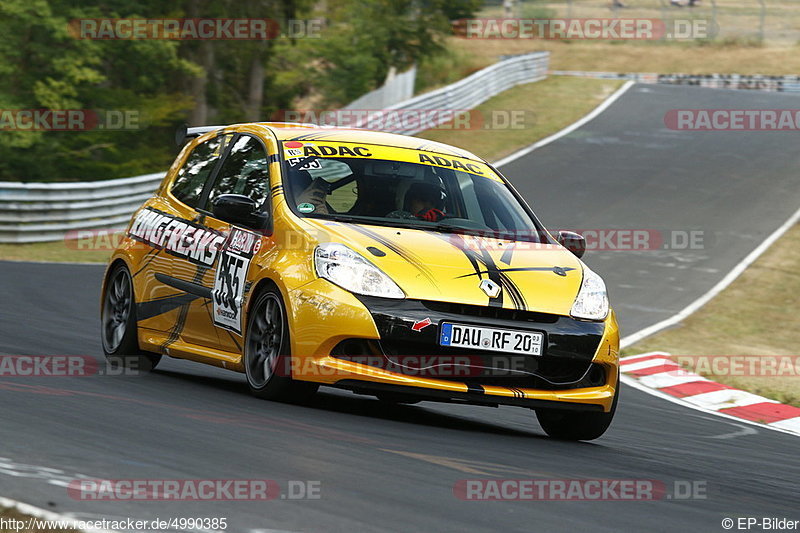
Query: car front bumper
point(369, 345)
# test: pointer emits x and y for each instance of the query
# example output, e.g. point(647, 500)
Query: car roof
point(287, 131)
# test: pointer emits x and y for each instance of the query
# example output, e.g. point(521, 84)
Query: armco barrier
point(39, 212)
point(468, 92)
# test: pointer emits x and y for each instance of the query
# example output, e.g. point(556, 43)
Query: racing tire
point(575, 425)
point(267, 353)
point(119, 333)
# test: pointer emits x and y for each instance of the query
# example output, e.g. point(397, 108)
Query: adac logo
point(491, 288)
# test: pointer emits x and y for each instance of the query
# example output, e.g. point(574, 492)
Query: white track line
point(789, 427)
point(569, 129)
point(44, 514)
point(694, 306)
point(716, 289)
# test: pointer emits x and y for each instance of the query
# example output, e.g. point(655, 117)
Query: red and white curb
point(656, 371)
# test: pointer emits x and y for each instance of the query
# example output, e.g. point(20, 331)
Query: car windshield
point(468, 199)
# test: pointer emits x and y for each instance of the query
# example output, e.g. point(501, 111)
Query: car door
point(161, 305)
point(218, 323)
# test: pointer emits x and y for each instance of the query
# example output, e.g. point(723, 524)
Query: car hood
point(450, 267)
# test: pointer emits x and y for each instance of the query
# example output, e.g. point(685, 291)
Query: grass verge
point(755, 317)
point(71, 251)
point(7, 515)
point(466, 56)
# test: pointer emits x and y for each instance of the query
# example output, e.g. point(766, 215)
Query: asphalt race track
point(394, 469)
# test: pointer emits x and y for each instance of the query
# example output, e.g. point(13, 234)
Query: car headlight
point(351, 271)
point(592, 300)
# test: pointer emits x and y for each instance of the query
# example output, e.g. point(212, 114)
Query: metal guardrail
point(39, 212)
point(397, 88)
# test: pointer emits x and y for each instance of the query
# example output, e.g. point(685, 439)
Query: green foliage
point(443, 68)
point(165, 82)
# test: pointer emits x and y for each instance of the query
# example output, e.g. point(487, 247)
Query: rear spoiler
point(184, 132)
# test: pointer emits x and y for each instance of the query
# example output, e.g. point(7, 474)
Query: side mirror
point(574, 242)
point(235, 208)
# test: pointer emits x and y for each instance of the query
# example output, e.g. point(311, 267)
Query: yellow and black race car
point(382, 264)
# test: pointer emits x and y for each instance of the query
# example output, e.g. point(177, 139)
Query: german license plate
point(492, 339)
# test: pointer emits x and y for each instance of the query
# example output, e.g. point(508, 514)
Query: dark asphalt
point(393, 469)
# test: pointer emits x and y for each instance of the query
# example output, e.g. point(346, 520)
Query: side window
point(245, 171)
point(192, 177)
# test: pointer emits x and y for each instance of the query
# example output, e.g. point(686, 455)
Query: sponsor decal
point(341, 151)
point(177, 237)
point(455, 164)
point(304, 163)
point(305, 207)
point(419, 325)
point(304, 157)
point(230, 279)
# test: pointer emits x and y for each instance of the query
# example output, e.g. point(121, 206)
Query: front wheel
point(575, 425)
point(118, 320)
point(267, 357)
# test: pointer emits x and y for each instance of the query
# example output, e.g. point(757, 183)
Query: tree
point(167, 82)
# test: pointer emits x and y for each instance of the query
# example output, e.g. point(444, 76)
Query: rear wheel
point(576, 425)
point(118, 322)
point(267, 357)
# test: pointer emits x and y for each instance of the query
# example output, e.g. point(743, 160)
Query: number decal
point(230, 279)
